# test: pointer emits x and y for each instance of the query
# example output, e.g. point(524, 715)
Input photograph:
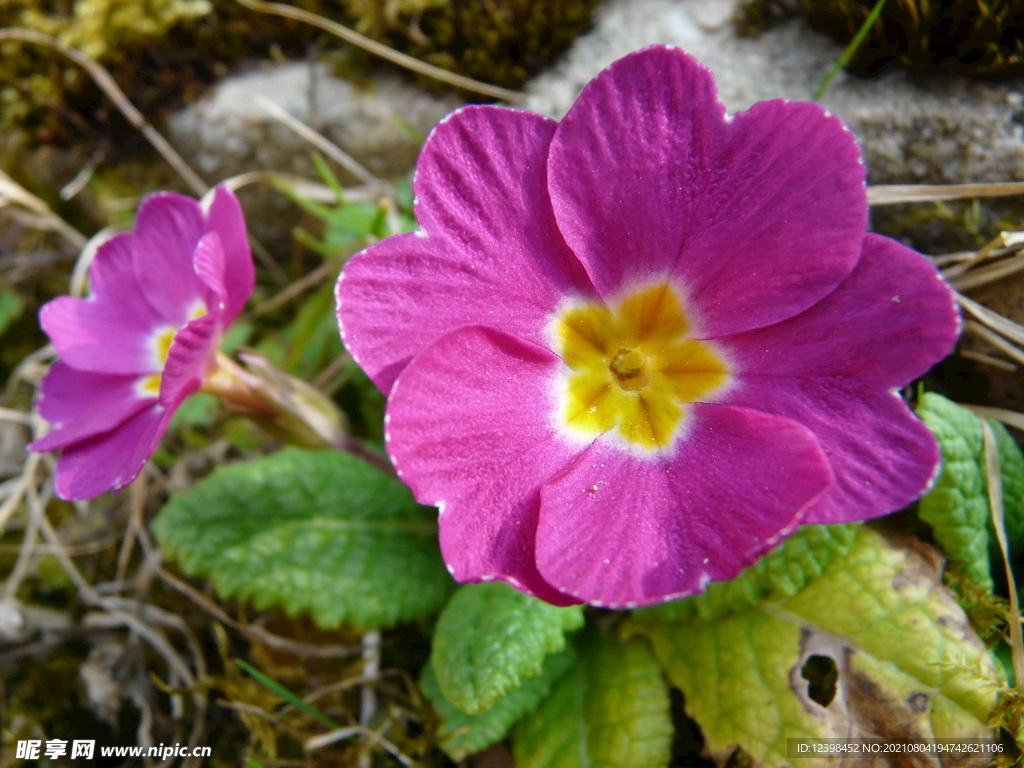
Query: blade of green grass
point(329, 178)
point(845, 56)
point(995, 498)
point(284, 693)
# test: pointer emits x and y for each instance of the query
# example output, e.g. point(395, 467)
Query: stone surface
point(228, 132)
point(913, 130)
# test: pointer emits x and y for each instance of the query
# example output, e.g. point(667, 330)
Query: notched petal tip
point(208, 261)
point(159, 207)
point(757, 217)
point(224, 216)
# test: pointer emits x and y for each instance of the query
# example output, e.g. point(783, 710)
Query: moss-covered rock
point(498, 42)
point(164, 52)
point(161, 52)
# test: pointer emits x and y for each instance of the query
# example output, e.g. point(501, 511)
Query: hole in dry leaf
point(821, 674)
point(740, 758)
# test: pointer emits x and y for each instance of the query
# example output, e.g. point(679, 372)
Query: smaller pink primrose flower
point(631, 351)
point(143, 340)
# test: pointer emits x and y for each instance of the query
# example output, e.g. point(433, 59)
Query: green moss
point(977, 37)
point(98, 26)
point(163, 53)
point(502, 43)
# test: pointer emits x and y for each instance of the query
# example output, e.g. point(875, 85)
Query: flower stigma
point(632, 367)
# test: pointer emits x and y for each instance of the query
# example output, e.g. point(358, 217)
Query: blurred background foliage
point(975, 37)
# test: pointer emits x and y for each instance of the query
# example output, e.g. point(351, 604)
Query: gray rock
point(912, 130)
point(228, 132)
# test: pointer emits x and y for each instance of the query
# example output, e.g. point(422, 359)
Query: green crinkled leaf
point(610, 711)
point(490, 638)
point(908, 663)
point(462, 734)
point(1011, 469)
point(957, 507)
point(782, 572)
point(316, 531)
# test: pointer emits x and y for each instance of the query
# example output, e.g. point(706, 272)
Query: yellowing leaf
point(874, 647)
point(782, 572)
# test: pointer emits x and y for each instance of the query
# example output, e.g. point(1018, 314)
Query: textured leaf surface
point(316, 531)
point(461, 734)
point(908, 663)
point(781, 573)
point(610, 711)
point(1011, 468)
point(490, 638)
point(957, 507)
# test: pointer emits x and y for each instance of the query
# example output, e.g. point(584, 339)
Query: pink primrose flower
point(629, 352)
point(143, 340)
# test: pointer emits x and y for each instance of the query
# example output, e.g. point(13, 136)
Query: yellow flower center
point(632, 367)
point(160, 344)
point(149, 386)
point(162, 341)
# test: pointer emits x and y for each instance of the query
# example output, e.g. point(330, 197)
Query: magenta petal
point(887, 324)
point(94, 335)
point(110, 461)
point(110, 331)
point(195, 343)
point(80, 404)
point(226, 219)
point(619, 530)
point(209, 264)
point(490, 252)
point(756, 217)
point(167, 228)
point(113, 282)
point(883, 456)
point(188, 359)
point(469, 430)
